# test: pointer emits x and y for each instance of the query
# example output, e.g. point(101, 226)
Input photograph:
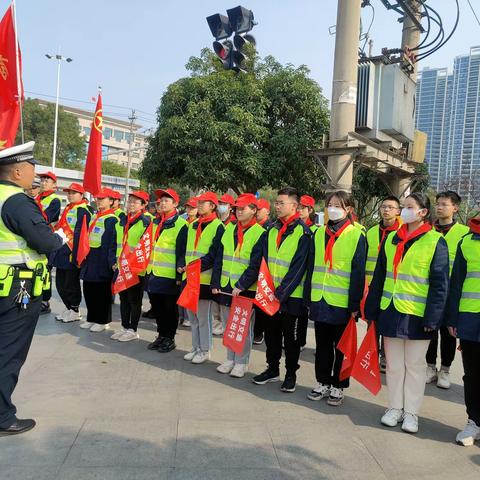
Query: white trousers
point(406, 373)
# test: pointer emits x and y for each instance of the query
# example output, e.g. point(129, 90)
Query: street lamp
point(59, 59)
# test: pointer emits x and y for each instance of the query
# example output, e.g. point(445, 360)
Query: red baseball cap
point(49, 175)
point(226, 198)
point(141, 195)
point(308, 201)
point(262, 203)
point(246, 199)
point(208, 197)
point(169, 192)
point(75, 187)
point(192, 202)
point(104, 193)
point(114, 194)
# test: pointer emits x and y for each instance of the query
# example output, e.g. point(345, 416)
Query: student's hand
point(216, 291)
point(236, 292)
point(180, 269)
point(428, 329)
point(452, 331)
point(354, 314)
point(178, 282)
point(114, 267)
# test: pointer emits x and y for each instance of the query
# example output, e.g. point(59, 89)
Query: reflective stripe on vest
point(333, 285)
point(453, 237)
point(373, 240)
point(409, 291)
point(95, 236)
point(470, 299)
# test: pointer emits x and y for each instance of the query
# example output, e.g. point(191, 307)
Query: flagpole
point(19, 80)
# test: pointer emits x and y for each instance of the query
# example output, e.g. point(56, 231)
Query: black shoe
point(258, 339)
point(288, 384)
point(148, 314)
point(156, 343)
point(266, 377)
point(17, 427)
point(167, 346)
point(45, 308)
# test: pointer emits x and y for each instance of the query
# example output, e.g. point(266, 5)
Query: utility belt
point(34, 280)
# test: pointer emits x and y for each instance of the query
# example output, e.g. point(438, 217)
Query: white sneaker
point(431, 374)
point(239, 370)
point(201, 357)
point(218, 330)
point(187, 323)
point(72, 317)
point(189, 356)
point(128, 336)
point(86, 324)
point(410, 423)
point(118, 334)
point(319, 392)
point(61, 316)
point(391, 417)
point(443, 380)
point(99, 327)
point(469, 434)
point(226, 367)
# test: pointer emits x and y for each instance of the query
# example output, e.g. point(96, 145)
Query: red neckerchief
point(191, 220)
point(285, 224)
point(99, 215)
point(240, 231)
point(63, 219)
point(38, 201)
point(263, 222)
point(443, 229)
point(386, 230)
point(130, 221)
point(231, 218)
point(332, 236)
point(201, 221)
point(163, 218)
point(474, 225)
point(308, 222)
point(405, 237)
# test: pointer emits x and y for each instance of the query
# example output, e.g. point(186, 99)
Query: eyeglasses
point(388, 207)
point(281, 204)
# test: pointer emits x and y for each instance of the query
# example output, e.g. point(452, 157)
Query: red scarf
point(405, 237)
point(201, 221)
point(308, 222)
point(474, 225)
point(263, 222)
point(38, 201)
point(191, 220)
point(99, 215)
point(386, 230)
point(240, 232)
point(163, 218)
point(332, 236)
point(62, 223)
point(285, 224)
point(130, 221)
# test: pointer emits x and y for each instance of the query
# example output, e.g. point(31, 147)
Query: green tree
point(38, 125)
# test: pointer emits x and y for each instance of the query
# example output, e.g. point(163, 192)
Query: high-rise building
point(448, 110)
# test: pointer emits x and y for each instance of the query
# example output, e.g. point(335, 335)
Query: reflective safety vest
point(279, 260)
point(46, 201)
point(204, 243)
point(359, 226)
point(73, 214)
point(373, 240)
point(134, 234)
point(95, 236)
point(470, 299)
point(453, 237)
point(313, 228)
point(235, 262)
point(163, 262)
point(409, 291)
point(334, 285)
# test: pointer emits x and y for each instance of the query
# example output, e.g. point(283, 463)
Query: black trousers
point(448, 345)
point(282, 325)
point(471, 378)
point(47, 294)
point(68, 287)
point(328, 360)
point(98, 298)
point(166, 314)
point(131, 305)
point(260, 319)
point(302, 329)
point(16, 333)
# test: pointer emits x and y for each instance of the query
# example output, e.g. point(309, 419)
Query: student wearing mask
point(407, 301)
point(334, 289)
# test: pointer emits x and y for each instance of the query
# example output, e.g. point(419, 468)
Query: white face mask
point(222, 209)
point(335, 213)
point(409, 215)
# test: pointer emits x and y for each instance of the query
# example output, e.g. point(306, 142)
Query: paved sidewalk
point(107, 410)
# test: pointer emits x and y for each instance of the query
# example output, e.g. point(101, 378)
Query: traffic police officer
point(25, 239)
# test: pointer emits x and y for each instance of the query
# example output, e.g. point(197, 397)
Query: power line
point(474, 12)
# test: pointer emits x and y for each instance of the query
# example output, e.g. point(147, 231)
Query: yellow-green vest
point(409, 291)
point(453, 237)
point(73, 214)
point(279, 260)
point(134, 234)
point(203, 246)
point(373, 241)
point(163, 261)
point(470, 299)
point(359, 226)
point(46, 201)
point(334, 285)
point(235, 262)
point(95, 236)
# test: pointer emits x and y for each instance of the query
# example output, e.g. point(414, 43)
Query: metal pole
point(132, 118)
point(344, 91)
point(19, 79)
point(56, 117)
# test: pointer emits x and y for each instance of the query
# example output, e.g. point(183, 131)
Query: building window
point(87, 130)
point(107, 133)
point(118, 134)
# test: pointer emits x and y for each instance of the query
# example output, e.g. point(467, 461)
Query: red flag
point(348, 346)
point(191, 292)
point(365, 368)
point(10, 81)
point(238, 323)
point(139, 258)
point(92, 179)
point(363, 302)
point(125, 278)
point(264, 297)
point(83, 242)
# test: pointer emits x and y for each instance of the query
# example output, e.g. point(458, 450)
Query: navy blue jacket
point(52, 212)
point(249, 276)
point(296, 271)
point(323, 312)
point(169, 286)
point(392, 323)
point(466, 323)
point(97, 267)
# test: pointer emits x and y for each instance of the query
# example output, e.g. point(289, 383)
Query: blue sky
point(136, 49)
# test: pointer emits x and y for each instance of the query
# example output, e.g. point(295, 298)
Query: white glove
point(62, 235)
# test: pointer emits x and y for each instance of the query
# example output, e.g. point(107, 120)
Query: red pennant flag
point(363, 302)
point(191, 292)
point(264, 297)
point(238, 323)
point(92, 180)
point(348, 346)
point(10, 81)
point(125, 278)
point(140, 256)
point(83, 242)
point(366, 369)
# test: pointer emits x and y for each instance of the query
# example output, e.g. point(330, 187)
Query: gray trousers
point(244, 357)
point(201, 326)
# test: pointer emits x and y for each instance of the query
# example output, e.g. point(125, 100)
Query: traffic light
point(224, 51)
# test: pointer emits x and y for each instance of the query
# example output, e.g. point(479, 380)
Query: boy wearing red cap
point(263, 212)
